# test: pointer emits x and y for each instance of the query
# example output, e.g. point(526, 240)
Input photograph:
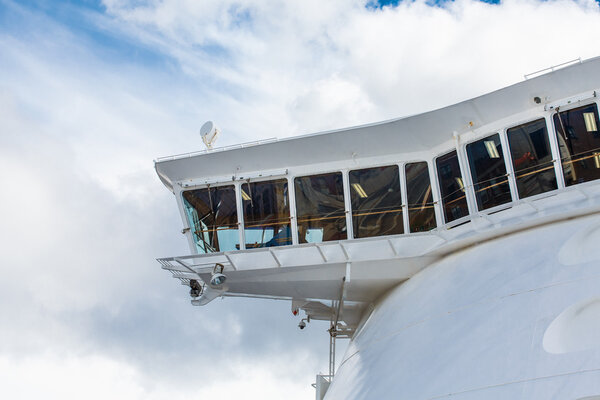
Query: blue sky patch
point(82, 19)
point(393, 3)
point(383, 3)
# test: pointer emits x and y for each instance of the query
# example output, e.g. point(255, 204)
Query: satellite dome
point(209, 133)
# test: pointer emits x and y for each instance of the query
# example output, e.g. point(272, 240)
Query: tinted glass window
point(452, 188)
point(579, 143)
point(376, 201)
point(421, 212)
point(488, 170)
point(266, 213)
point(532, 158)
point(320, 208)
point(212, 214)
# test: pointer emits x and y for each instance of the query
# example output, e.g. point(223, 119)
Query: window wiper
point(562, 126)
point(250, 193)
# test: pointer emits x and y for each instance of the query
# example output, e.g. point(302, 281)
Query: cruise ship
point(457, 250)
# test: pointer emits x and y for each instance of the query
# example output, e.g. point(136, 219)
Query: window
point(320, 208)
point(579, 143)
point(488, 170)
point(421, 212)
point(452, 188)
point(266, 213)
point(212, 215)
point(532, 158)
point(376, 201)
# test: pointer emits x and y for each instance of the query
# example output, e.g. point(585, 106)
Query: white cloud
point(95, 376)
point(399, 60)
point(83, 215)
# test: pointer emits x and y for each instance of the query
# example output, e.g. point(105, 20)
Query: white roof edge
point(472, 103)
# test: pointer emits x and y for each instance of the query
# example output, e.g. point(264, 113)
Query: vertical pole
point(508, 164)
point(404, 197)
point(331, 355)
point(347, 203)
point(435, 191)
point(463, 163)
point(555, 148)
point(240, 212)
point(293, 215)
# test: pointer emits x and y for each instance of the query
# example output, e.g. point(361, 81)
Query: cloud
point(399, 60)
point(89, 96)
point(84, 218)
point(95, 376)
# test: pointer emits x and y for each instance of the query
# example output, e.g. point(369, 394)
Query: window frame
point(188, 226)
point(553, 145)
point(562, 183)
point(240, 203)
point(434, 195)
point(471, 187)
point(467, 185)
point(402, 205)
point(345, 191)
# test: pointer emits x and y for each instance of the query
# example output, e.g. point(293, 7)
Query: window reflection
point(532, 158)
point(212, 215)
point(488, 170)
point(320, 208)
point(376, 201)
point(266, 213)
point(421, 212)
point(579, 143)
point(452, 187)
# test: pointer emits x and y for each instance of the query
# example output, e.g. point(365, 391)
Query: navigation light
point(218, 277)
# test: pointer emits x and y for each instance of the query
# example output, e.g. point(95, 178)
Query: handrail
point(216, 150)
point(552, 68)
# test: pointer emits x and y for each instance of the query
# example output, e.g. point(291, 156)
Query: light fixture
point(590, 122)
point(361, 192)
point(597, 160)
point(461, 185)
point(490, 146)
point(217, 278)
point(245, 196)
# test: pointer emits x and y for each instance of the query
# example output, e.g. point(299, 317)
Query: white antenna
point(209, 133)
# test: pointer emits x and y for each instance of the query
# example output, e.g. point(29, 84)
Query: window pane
point(212, 215)
point(421, 212)
point(489, 172)
point(266, 213)
point(376, 201)
point(532, 158)
point(580, 145)
point(320, 208)
point(452, 188)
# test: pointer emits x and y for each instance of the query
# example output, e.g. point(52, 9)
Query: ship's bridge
point(340, 217)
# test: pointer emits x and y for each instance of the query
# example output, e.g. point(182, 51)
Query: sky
point(91, 92)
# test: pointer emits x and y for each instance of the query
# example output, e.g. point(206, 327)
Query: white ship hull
point(517, 317)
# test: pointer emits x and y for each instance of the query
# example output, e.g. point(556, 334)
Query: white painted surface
point(417, 137)
point(575, 329)
point(472, 326)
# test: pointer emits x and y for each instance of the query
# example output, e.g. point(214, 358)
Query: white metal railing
point(552, 68)
point(216, 150)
